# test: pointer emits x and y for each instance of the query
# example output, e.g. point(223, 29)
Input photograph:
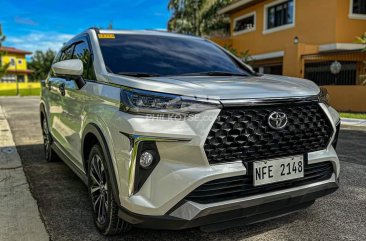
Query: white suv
point(171, 131)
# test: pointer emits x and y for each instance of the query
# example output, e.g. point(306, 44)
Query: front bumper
point(183, 167)
point(237, 212)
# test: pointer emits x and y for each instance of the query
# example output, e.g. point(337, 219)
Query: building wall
point(317, 22)
point(314, 25)
point(347, 27)
point(22, 86)
point(347, 97)
point(222, 41)
point(19, 66)
point(16, 57)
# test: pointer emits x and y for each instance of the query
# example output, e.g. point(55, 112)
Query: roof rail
point(95, 28)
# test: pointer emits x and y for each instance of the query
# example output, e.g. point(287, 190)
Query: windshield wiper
point(215, 73)
point(138, 74)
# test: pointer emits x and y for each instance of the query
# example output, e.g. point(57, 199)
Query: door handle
point(61, 87)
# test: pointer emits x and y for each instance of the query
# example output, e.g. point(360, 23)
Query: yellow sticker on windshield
point(106, 35)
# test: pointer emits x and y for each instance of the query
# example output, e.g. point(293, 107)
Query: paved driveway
point(65, 210)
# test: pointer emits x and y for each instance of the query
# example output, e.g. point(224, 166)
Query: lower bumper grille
point(242, 186)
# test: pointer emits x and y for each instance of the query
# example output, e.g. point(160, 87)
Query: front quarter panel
point(100, 110)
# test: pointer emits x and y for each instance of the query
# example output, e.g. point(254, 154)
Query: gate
point(320, 73)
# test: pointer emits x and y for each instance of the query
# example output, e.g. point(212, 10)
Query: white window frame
point(242, 17)
point(280, 28)
point(12, 60)
point(352, 15)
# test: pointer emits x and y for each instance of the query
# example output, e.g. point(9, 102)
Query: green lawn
point(354, 115)
point(23, 92)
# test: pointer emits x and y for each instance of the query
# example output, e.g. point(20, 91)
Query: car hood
point(224, 88)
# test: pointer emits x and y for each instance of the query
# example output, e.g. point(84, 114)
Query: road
point(64, 206)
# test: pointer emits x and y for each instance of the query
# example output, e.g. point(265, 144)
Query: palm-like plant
point(244, 56)
point(198, 17)
point(41, 63)
point(362, 40)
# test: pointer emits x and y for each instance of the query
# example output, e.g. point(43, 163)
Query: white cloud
point(38, 41)
point(25, 21)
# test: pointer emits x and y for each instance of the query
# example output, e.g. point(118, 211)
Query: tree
point(244, 56)
point(362, 40)
point(198, 17)
point(41, 63)
point(3, 67)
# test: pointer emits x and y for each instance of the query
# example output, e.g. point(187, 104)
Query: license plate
point(278, 170)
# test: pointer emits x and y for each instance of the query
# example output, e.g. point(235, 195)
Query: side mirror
point(72, 67)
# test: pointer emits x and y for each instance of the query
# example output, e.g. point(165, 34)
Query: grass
point(361, 116)
point(22, 92)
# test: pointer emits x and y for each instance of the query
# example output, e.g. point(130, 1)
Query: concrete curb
point(353, 122)
point(19, 215)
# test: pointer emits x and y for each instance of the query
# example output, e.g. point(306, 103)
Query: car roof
point(132, 32)
point(148, 32)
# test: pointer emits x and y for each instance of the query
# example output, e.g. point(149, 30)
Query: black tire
point(49, 153)
point(104, 206)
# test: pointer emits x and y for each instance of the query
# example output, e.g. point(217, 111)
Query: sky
point(43, 24)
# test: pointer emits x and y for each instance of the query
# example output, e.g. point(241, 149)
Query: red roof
point(23, 71)
point(14, 50)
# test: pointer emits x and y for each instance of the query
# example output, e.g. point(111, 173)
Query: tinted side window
point(83, 53)
point(67, 53)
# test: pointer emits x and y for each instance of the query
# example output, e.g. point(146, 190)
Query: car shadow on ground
point(65, 209)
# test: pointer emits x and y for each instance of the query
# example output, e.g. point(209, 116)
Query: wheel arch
point(42, 112)
point(92, 135)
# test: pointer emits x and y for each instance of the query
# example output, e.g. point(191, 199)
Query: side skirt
point(70, 163)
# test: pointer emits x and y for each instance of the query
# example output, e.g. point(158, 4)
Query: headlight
point(324, 96)
point(334, 114)
point(154, 103)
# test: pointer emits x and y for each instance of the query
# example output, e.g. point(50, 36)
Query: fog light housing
point(146, 159)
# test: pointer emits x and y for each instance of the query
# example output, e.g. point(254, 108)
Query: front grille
point(242, 186)
point(243, 133)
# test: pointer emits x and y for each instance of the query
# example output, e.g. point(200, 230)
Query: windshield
point(144, 55)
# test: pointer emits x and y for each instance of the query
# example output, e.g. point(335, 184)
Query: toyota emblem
point(277, 120)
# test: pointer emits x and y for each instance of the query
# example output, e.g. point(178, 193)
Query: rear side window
point(82, 52)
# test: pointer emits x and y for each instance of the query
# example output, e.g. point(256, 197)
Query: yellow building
point(18, 65)
point(313, 39)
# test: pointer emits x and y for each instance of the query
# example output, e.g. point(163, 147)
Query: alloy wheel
point(46, 138)
point(99, 188)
